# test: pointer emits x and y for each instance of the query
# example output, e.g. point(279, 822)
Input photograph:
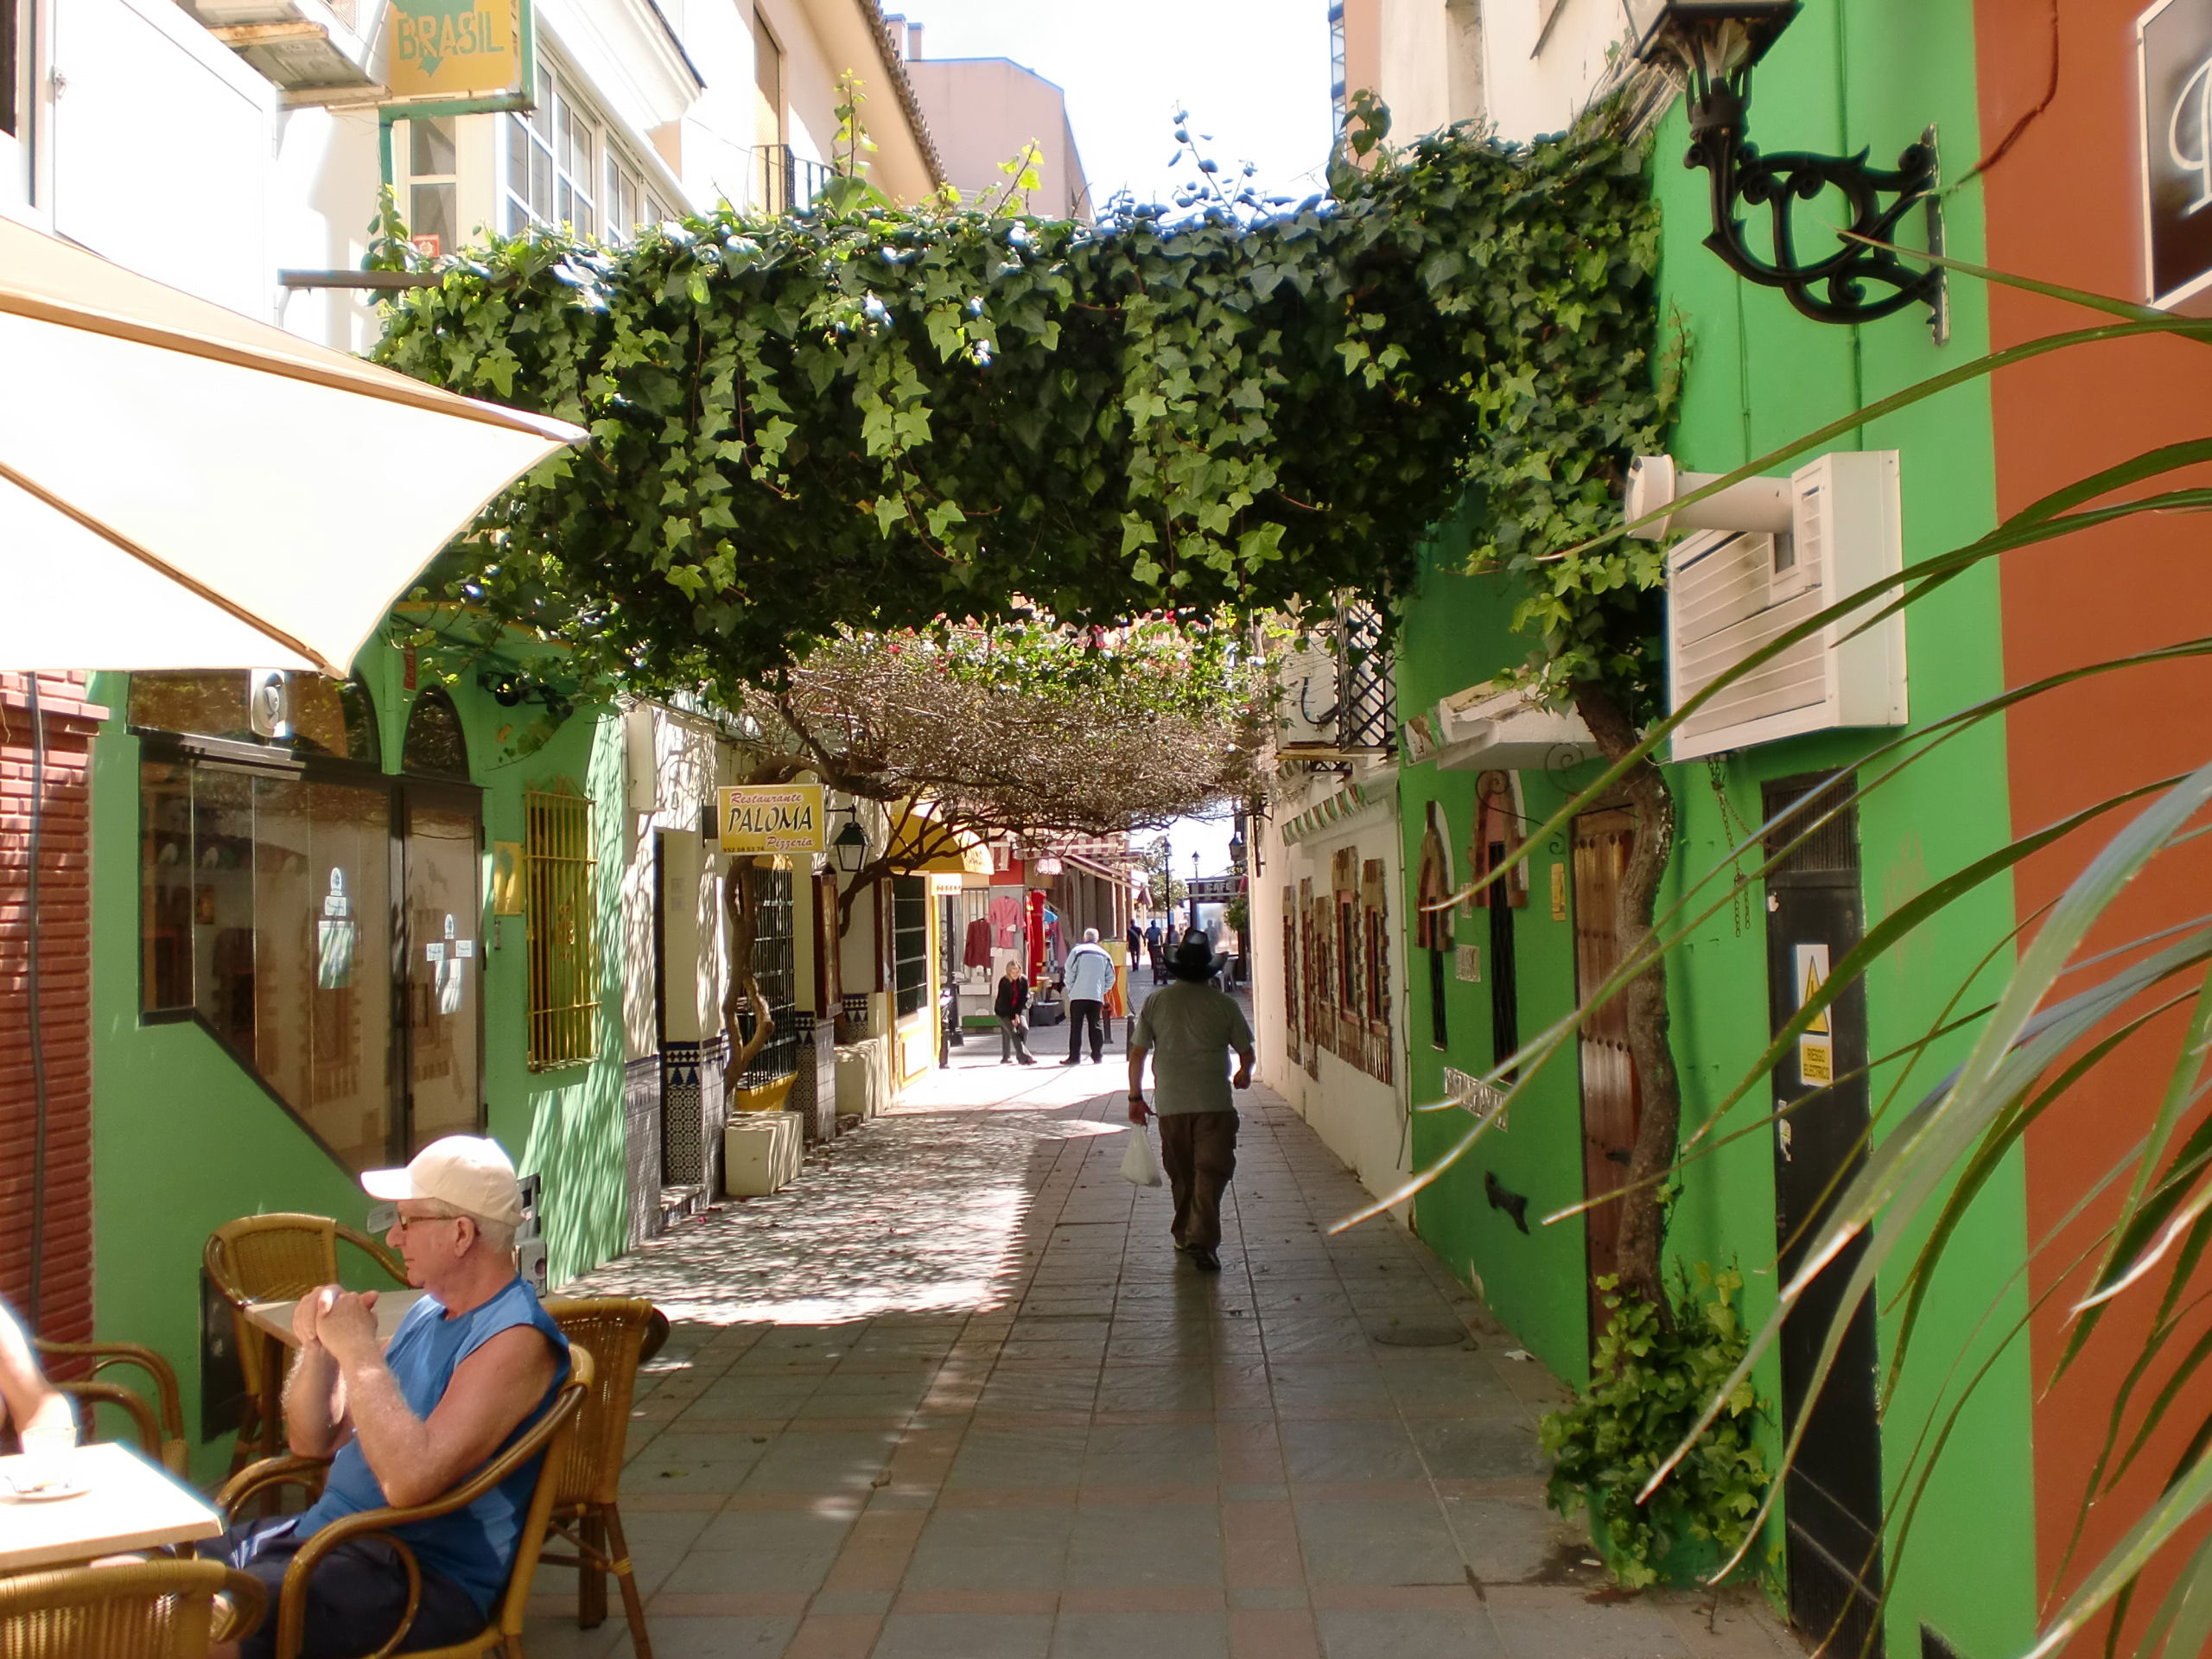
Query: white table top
point(127, 1504)
point(276, 1318)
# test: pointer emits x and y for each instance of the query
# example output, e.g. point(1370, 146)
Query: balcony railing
point(784, 180)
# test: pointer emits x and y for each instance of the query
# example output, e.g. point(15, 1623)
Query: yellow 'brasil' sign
point(452, 48)
point(772, 819)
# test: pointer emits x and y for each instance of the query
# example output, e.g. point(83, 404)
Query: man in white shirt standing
point(1088, 978)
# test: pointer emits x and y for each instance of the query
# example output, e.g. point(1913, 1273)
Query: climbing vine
point(862, 417)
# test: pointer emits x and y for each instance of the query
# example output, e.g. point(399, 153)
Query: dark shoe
point(1025, 1060)
point(1070, 1060)
point(1205, 1259)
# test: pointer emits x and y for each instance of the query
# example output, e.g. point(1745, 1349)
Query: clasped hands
point(340, 1320)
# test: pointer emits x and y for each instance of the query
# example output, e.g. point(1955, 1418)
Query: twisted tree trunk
point(1644, 999)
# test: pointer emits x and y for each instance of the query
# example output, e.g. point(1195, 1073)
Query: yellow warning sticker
point(1816, 1047)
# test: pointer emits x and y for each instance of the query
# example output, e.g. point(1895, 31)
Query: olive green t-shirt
point(1190, 1028)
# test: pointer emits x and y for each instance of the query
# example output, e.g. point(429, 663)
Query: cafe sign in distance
point(772, 819)
point(2173, 56)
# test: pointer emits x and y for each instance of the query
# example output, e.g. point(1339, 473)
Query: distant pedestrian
point(1190, 1028)
point(1155, 947)
point(1135, 943)
point(1011, 1007)
point(1087, 978)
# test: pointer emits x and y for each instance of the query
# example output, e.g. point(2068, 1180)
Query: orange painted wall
point(2063, 205)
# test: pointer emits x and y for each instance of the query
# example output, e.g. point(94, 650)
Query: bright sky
point(1254, 73)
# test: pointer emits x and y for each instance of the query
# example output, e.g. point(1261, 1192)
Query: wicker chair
point(154, 1610)
point(267, 1259)
point(623, 1334)
point(160, 1422)
point(550, 1435)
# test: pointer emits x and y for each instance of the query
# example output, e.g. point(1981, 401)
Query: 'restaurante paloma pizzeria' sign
point(772, 819)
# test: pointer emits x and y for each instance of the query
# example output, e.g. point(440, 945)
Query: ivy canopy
point(869, 419)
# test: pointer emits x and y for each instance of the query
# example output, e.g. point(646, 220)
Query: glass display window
point(294, 900)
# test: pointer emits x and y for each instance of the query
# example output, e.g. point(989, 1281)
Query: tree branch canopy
point(1025, 727)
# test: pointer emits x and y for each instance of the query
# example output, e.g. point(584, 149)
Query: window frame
point(561, 91)
point(919, 896)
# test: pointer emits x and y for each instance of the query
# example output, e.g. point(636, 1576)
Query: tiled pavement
point(953, 1396)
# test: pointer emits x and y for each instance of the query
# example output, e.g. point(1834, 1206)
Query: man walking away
point(1087, 977)
point(1189, 1028)
point(1155, 946)
point(1011, 1007)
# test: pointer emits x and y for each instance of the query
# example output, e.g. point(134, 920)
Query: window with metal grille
point(910, 941)
point(1367, 704)
point(558, 872)
point(775, 968)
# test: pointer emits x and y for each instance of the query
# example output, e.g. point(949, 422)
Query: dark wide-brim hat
point(1193, 958)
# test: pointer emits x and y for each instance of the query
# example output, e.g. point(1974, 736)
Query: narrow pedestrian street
point(952, 1396)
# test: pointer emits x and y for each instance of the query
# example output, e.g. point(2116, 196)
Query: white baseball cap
point(465, 1171)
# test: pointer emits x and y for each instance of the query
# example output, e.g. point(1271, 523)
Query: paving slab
point(952, 1395)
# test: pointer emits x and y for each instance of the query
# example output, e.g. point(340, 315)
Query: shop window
point(775, 970)
point(435, 747)
point(910, 941)
point(559, 869)
point(268, 910)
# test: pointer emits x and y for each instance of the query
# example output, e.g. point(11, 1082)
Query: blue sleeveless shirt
point(473, 1547)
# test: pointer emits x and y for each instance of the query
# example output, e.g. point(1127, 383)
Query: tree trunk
point(740, 912)
point(1644, 999)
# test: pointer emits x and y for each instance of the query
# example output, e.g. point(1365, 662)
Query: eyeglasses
point(386, 1217)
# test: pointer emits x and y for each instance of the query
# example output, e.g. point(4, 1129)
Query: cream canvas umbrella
point(182, 486)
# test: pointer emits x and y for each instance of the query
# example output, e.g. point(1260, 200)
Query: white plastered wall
point(1360, 1118)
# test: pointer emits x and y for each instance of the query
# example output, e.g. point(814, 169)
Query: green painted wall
point(1760, 375)
point(184, 1139)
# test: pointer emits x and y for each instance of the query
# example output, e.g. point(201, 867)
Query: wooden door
point(1612, 1105)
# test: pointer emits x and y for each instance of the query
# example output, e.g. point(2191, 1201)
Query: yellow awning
point(918, 845)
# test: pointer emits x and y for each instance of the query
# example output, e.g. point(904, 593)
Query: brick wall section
point(65, 962)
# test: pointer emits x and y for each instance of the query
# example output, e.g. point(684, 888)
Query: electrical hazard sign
point(1816, 1045)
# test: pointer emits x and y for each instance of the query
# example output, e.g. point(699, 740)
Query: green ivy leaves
point(864, 417)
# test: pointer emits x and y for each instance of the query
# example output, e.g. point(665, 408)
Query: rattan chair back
point(153, 1610)
point(280, 1258)
point(622, 1333)
point(549, 1436)
point(160, 1422)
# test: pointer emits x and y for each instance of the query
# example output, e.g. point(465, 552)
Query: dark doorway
point(1832, 1499)
point(1612, 1105)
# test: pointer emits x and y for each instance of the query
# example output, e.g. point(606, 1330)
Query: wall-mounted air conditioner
point(1764, 556)
point(1497, 726)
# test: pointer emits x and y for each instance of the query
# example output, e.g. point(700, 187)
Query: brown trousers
point(1198, 1151)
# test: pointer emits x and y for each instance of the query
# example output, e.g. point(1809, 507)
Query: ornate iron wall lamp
point(1717, 42)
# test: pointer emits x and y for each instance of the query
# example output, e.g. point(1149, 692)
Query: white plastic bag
point(1139, 1166)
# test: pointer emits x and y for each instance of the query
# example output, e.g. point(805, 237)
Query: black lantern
point(1716, 43)
point(1236, 852)
point(850, 845)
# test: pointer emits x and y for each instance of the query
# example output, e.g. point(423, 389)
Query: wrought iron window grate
point(559, 872)
point(1368, 716)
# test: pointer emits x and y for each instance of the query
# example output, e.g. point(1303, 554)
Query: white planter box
point(760, 1152)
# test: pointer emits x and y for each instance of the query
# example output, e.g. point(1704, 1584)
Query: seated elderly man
point(473, 1365)
point(33, 1411)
